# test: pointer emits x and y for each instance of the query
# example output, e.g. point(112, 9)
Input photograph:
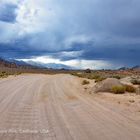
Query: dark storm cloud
point(8, 12)
point(100, 29)
point(126, 54)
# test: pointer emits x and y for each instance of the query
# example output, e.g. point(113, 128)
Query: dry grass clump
point(85, 82)
point(116, 76)
point(135, 81)
point(130, 88)
point(131, 101)
point(118, 89)
point(98, 78)
point(78, 74)
point(138, 90)
point(3, 74)
point(123, 89)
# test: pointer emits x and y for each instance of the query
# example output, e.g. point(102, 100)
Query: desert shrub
point(18, 73)
point(132, 101)
point(130, 88)
point(135, 81)
point(87, 71)
point(98, 78)
point(138, 90)
point(85, 82)
point(80, 75)
point(116, 76)
point(118, 89)
point(3, 74)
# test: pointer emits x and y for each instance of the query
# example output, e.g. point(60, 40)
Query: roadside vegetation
point(3, 74)
point(110, 80)
point(118, 89)
point(135, 81)
point(130, 88)
point(85, 82)
point(138, 90)
point(98, 75)
point(122, 89)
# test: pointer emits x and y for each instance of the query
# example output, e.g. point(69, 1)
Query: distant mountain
point(49, 65)
point(123, 68)
point(136, 67)
point(5, 63)
point(57, 66)
point(130, 68)
point(38, 64)
point(17, 62)
point(9, 63)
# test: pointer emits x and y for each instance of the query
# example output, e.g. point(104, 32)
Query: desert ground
point(59, 107)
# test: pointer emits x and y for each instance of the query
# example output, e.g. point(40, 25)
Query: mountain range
point(15, 63)
point(11, 63)
point(49, 65)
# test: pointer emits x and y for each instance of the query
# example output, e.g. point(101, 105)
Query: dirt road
point(54, 107)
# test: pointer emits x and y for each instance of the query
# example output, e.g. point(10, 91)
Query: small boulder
point(106, 85)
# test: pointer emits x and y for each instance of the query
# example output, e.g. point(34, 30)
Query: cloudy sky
point(80, 33)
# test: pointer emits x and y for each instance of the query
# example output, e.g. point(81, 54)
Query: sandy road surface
point(45, 107)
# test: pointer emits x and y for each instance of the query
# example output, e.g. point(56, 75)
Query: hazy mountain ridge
point(137, 67)
point(5, 63)
point(14, 64)
point(10, 63)
point(49, 65)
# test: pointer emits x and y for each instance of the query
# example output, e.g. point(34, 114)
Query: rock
point(106, 85)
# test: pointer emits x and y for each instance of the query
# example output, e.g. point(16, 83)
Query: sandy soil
point(57, 107)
